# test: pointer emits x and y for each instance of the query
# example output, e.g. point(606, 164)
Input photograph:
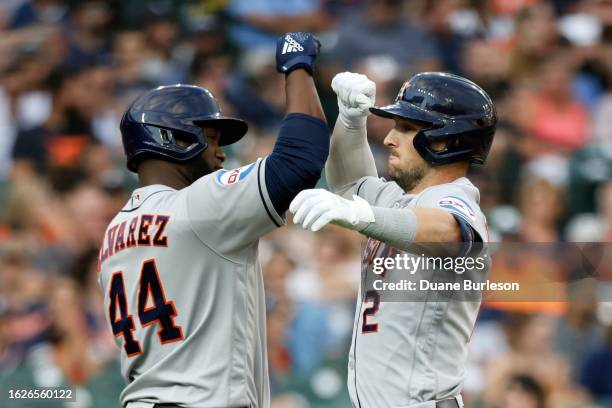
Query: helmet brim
point(403, 110)
point(232, 129)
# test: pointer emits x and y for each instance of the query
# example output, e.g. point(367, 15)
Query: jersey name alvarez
point(141, 230)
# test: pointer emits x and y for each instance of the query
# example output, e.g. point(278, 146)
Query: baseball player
point(178, 266)
point(407, 355)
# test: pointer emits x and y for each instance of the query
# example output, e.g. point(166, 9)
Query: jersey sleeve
point(378, 192)
point(461, 204)
point(230, 209)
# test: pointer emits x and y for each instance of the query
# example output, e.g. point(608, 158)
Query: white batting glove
point(316, 208)
point(356, 95)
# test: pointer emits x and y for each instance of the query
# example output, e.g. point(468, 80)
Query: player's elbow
point(298, 158)
point(334, 184)
point(302, 147)
point(437, 226)
point(452, 231)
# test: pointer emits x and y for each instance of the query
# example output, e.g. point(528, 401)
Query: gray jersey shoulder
point(230, 209)
point(459, 197)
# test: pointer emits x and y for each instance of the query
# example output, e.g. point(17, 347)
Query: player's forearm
point(401, 227)
point(302, 96)
point(416, 230)
point(350, 158)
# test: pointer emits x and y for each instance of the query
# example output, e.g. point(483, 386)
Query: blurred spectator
point(601, 129)
point(604, 201)
point(60, 142)
point(213, 73)
point(89, 43)
point(382, 29)
point(130, 52)
point(488, 64)
point(166, 62)
point(596, 374)
point(104, 113)
point(579, 326)
point(441, 18)
point(23, 301)
point(523, 392)
point(558, 121)
point(594, 227)
point(39, 11)
point(589, 168)
point(530, 338)
point(257, 23)
point(278, 318)
point(536, 37)
point(541, 206)
point(209, 37)
point(68, 333)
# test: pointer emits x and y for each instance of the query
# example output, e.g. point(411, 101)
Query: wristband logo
point(291, 45)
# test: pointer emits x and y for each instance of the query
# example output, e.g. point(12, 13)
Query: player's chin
point(391, 166)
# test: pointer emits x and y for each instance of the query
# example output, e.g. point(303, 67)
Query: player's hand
point(296, 51)
point(316, 208)
point(356, 95)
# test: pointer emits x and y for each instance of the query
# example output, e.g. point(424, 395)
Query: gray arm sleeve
point(394, 226)
point(350, 159)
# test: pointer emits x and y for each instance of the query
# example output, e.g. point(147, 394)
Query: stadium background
point(69, 68)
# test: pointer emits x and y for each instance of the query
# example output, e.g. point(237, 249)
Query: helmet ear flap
point(420, 143)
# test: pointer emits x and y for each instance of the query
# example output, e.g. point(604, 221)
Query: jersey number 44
point(161, 311)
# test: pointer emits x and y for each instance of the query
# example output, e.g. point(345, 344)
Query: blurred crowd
point(69, 68)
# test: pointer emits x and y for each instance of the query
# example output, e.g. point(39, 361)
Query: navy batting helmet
point(154, 121)
point(452, 109)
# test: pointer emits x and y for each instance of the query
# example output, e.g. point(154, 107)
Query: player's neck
point(441, 175)
point(152, 172)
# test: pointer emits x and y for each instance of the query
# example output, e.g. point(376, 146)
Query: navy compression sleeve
point(297, 160)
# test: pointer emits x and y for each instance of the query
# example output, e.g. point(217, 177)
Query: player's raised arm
point(350, 157)
point(302, 147)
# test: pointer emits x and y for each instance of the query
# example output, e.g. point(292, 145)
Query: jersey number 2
point(161, 311)
point(374, 297)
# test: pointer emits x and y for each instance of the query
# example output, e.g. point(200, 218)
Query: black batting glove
point(296, 51)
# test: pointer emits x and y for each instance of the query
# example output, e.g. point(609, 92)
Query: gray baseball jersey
point(407, 354)
point(183, 291)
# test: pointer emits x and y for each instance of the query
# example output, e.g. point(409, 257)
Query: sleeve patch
point(229, 177)
point(458, 206)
